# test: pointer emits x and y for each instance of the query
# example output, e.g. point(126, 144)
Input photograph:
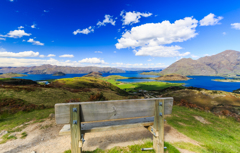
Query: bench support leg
point(75, 124)
point(158, 140)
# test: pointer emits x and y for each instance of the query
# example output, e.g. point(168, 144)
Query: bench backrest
point(112, 110)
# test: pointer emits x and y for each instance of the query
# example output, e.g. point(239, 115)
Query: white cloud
point(16, 34)
point(93, 60)
point(150, 39)
point(33, 26)
point(139, 65)
point(210, 19)
point(194, 56)
point(21, 27)
point(84, 31)
point(16, 62)
point(2, 38)
point(41, 56)
point(11, 0)
point(128, 65)
point(115, 52)
point(160, 51)
point(35, 42)
point(23, 40)
point(149, 60)
point(132, 17)
point(97, 52)
point(236, 26)
point(67, 55)
point(224, 33)
point(51, 55)
point(4, 53)
point(108, 19)
point(178, 58)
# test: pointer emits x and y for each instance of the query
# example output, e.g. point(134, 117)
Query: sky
point(107, 33)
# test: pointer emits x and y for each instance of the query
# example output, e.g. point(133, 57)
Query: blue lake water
point(200, 82)
point(196, 81)
point(37, 77)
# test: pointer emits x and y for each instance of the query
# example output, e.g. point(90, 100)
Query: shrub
point(97, 97)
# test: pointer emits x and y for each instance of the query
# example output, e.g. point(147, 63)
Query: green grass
point(24, 135)
point(142, 85)
point(2, 79)
point(221, 136)
point(8, 122)
point(133, 148)
point(191, 147)
point(6, 137)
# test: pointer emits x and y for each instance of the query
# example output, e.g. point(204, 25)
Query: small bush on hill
point(97, 97)
point(73, 100)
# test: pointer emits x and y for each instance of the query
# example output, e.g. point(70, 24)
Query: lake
point(196, 81)
point(201, 82)
point(37, 77)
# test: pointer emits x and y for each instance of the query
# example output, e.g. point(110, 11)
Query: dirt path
point(43, 138)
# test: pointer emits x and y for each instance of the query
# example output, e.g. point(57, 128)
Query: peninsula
point(172, 77)
point(11, 75)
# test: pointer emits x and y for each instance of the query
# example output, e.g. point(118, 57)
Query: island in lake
point(172, 77)
point(11, 75)
point(59, 74)
point(94, 74)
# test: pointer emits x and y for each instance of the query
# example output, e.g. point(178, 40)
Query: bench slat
point(109, 125)
point(109, 110)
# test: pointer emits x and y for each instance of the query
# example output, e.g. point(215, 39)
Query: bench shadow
point(116, 138)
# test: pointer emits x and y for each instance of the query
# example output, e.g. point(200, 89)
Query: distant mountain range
point(140, 69)
point(226, 63)
point(51, 69)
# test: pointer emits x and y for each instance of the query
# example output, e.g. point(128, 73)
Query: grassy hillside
point(141, 85)
point(205, 98)
point(219, 135)
point(23, 103)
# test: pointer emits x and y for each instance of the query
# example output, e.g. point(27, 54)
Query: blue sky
point(136, 33)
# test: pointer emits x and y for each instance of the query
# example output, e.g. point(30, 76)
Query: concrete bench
point(97, 116)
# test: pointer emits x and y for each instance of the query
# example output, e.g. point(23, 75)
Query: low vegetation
point(24, 135)
point(217, 135)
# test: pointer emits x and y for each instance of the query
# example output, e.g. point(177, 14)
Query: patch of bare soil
point(172, 135)
point(201, 119)
point(43, 137)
